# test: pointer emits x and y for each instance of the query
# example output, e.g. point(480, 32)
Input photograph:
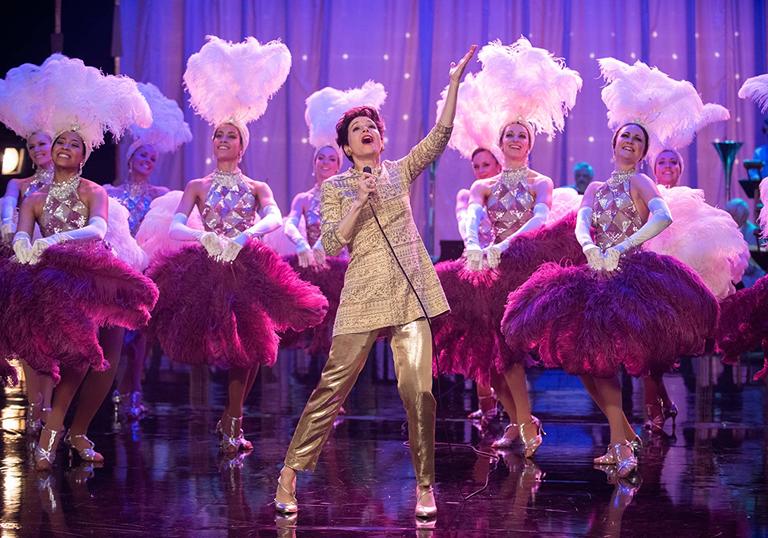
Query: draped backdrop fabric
point(408, 46)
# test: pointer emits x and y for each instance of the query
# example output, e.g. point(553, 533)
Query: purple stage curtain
point(408, 46)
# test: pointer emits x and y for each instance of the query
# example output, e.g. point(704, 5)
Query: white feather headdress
point(756, 89)
point(168, 130)
point(325, 107)
point(518, 82)
point(22, 108)
point(671, 110)
point(83, 99)
point(233, 82)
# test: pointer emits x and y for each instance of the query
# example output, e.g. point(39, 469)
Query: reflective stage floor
point(165, 477)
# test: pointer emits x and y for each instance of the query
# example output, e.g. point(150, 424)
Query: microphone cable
point(435, 357)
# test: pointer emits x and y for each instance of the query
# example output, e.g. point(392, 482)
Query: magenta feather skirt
point(229, 314)
point(744, 323)
point(644, 317)
point(51, 311)
point(330, 280)
point(468, 340)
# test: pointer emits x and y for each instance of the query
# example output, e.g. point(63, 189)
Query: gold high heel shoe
point(45, 453)
point(532, 445)
point(86, 454)
point(292, 506)
point(423, 510)
point(508, 438)
point(232, 439)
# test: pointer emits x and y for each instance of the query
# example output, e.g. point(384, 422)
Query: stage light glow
point(345, 56)
point(208, 161)
point(405, 117)
point(11, 161)
point(406, 76)
point(590, 139)
point(717, 54)
point(386, 57)
point(674, 56)
point(304, 57)
point(304, 140)
point(265, 139)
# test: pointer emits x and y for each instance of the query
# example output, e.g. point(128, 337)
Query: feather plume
point(756, 89)
point(22, 109)
point(234, 81)
point(82, 99)
point(168, 130)
point(326, 106)
point(671, 110)
point(518, 82)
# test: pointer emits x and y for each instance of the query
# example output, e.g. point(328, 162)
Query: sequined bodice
point(313, 218)
point(510, 204)
point(136, 198)
point(230, 206)
point(614, 215)
point(42, 178)
point(63, 210)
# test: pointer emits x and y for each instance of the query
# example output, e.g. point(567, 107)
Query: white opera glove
point(95, 229)
point(213, 244)
point(232, 248)
point(659, 218)
point(6, 232)
point(611, 259)
point(319, 253)
point(292, 232)
point(493, 253)
point(594, 255)
point(22, 248)
point(7, 211)
point(473, 254)
point(181, 232)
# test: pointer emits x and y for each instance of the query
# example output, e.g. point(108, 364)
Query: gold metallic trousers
point(412, 351)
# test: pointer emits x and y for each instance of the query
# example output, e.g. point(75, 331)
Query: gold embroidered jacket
point(375, 293)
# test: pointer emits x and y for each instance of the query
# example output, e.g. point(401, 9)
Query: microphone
point(368, 170)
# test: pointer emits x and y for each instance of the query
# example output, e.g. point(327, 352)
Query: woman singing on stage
point(377, 294)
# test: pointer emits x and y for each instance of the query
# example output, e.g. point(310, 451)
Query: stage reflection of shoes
point(82, 473)
point(637, 444)
point(531, 478)
point(426, 507)
point(286, 524)
point(234, 461)
point(508, 438)
point(136, 408)
point(48, 498)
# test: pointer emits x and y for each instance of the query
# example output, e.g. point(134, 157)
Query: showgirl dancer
point(744, 323)
point(324, 108)
point(672, 121)
point(167, 132)
point(520, 92)
point(224, 297)
point(377, 293)
point(59, 291)
point(628, 307)
point(485, 165)
point(20, 112)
